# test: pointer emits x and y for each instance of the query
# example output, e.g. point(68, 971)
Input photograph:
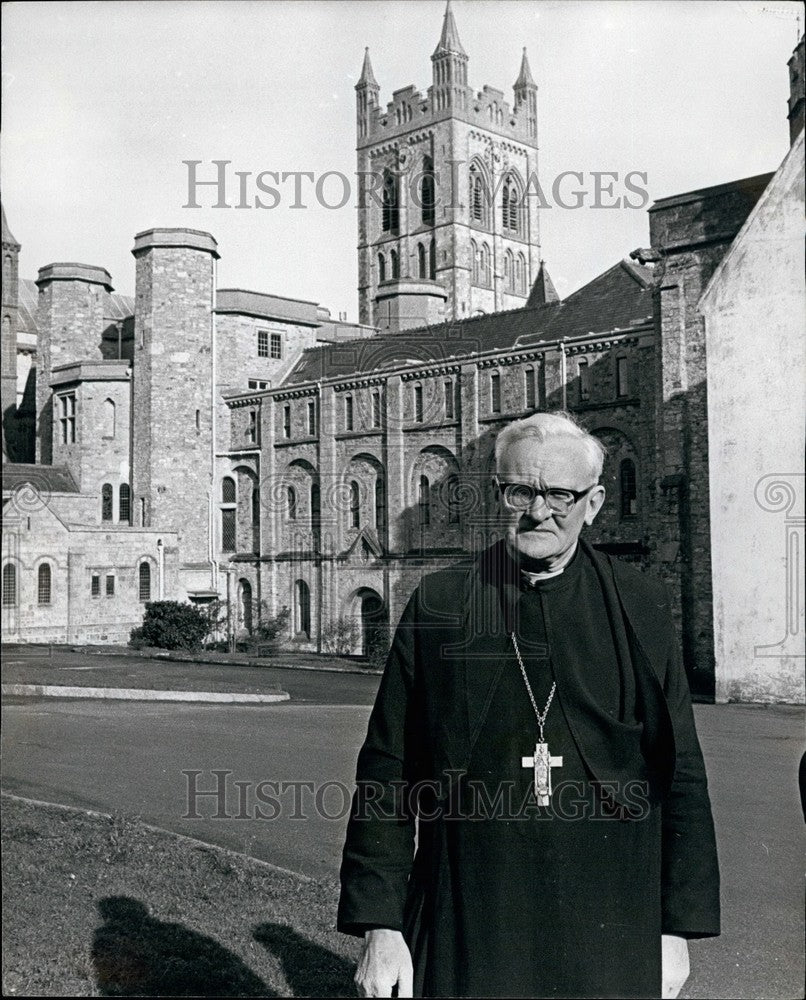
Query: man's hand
point(385, 963)
point(674, 965)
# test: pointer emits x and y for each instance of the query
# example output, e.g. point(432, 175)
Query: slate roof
point(46, 478)
point(616, 300)
point(119, 307)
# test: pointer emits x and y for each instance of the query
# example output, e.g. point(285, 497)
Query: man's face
point(538, 534)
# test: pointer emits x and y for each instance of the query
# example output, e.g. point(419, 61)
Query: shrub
point(340, 636)
point(171, 625)
point(273, 626)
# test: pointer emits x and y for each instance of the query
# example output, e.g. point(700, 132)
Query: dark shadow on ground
point(137, 955)
point(310, 970)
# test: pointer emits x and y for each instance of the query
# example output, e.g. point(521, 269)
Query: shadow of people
point(310, 970)
point(136, 955)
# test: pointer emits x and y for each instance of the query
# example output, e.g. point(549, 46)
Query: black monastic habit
point(507, 898)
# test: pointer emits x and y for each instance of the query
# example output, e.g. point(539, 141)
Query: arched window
point(355, 505)
point(477, 198)
point(256, 506)
point(9, 585)
point(432, 260)
point(380, 505)
point(302, 609)
point(227, 490)
point(291, 503)
point(109, 419)
point(390, 211)
point(245, 605)
point(424, 501)
point(348, 413)
point(381, 268)
point(522, 272)
point(418, 404)
point(144, 582)
point(484, 266)
point(509, 271)
point(529, 387)
point(395, 264)
point(495, 392)
point(517, 275)
point(107, 502)
point(629, 488)
point(474, 262)
point(316, 516)
point(428, 193)
point(43, 584)
point(124, 503)
point(584, 380)
point(421, 263)
point(510, 206)
point(448, 389)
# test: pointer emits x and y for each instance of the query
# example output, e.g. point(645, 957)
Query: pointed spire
point(449, 39)
point(525, 78)
point(8, 239)
point(367, 76)
point(543, 291)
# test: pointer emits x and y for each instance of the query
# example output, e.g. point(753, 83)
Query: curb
point(141, 694)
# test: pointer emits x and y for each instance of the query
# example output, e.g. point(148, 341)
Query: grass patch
point(103, 906)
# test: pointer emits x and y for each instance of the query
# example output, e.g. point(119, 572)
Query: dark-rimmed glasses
point(521, 496)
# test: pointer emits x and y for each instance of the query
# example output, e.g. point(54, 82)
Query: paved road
point(130, 757)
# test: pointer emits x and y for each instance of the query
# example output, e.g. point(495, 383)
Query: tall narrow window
point(228, 530)
point(9, 585)
point(584, 380)
point(381, 268)
point(448, 388)
point(522, 272)
point(529, 387)
point(622, 377)
point(227, 490)
point(95, 585)
point(109, 419)
point(124, 503)
point(474, 262)
point(291, 503)
point(110, 585)
point(251, 428)
point(509, 271)
point(43, 584)
point(484, 266)
point(395, 264)
point(478, 201)
point(263, 343)
point(312, 417)
point(287, 420)
point(418, 404)
point(348, 413)
point(144, 582)
point(510, 206)
point(276, 347)
point(390, 212)
point(315, 507)
point(67, 417)
point(424, 501)
point(107, 502)
point(302, 609)
point(198, 419)
point(495, 392)
point(427, 192)
point(421, 261)
point(255, 506)
point(380, 505)
point(629, 488)
point(432, 260)
point(355, 505)
point(376, 409)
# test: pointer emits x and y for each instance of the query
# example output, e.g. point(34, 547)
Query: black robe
point(511, 899)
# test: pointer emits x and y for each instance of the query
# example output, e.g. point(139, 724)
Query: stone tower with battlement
point(11, 280)
point(446, 229)
point(72, 304)
point(173, 397)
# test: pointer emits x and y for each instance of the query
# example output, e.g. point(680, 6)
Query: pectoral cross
point(542, 762)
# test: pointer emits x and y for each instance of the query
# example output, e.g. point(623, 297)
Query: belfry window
point(427, 193)
point(355, 505)
point(124, 503)
point(390, 210)
point(107, 502)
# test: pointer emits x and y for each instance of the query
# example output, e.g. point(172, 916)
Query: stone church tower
point(8, 372)
point(446, 229)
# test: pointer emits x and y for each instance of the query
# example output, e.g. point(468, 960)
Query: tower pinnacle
point(449, 39)
point(367, 76)
point(525, 78)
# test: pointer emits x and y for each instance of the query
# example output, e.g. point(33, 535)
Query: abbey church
point(198, 443)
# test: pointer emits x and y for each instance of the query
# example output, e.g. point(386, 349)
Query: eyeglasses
point(521, 496)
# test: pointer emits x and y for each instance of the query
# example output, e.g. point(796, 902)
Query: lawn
point(106, 906)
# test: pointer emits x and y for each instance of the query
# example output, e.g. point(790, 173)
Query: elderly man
point(534, 728)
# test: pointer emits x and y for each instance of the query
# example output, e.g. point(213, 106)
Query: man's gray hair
point(554, 423)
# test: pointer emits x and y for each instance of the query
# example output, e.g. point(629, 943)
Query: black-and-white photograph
point(403, 420)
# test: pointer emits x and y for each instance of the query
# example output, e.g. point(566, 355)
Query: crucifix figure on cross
point(542, 762)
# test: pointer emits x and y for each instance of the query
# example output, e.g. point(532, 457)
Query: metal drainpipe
point(160, 569)
point(564, 373)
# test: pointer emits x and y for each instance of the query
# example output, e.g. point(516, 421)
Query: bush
point(272, 627)
point(340, 636)
point(171, 625)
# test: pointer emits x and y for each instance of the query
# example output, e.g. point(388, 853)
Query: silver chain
point(541, 717)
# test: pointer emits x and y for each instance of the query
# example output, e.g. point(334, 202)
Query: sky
point(102, 103)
